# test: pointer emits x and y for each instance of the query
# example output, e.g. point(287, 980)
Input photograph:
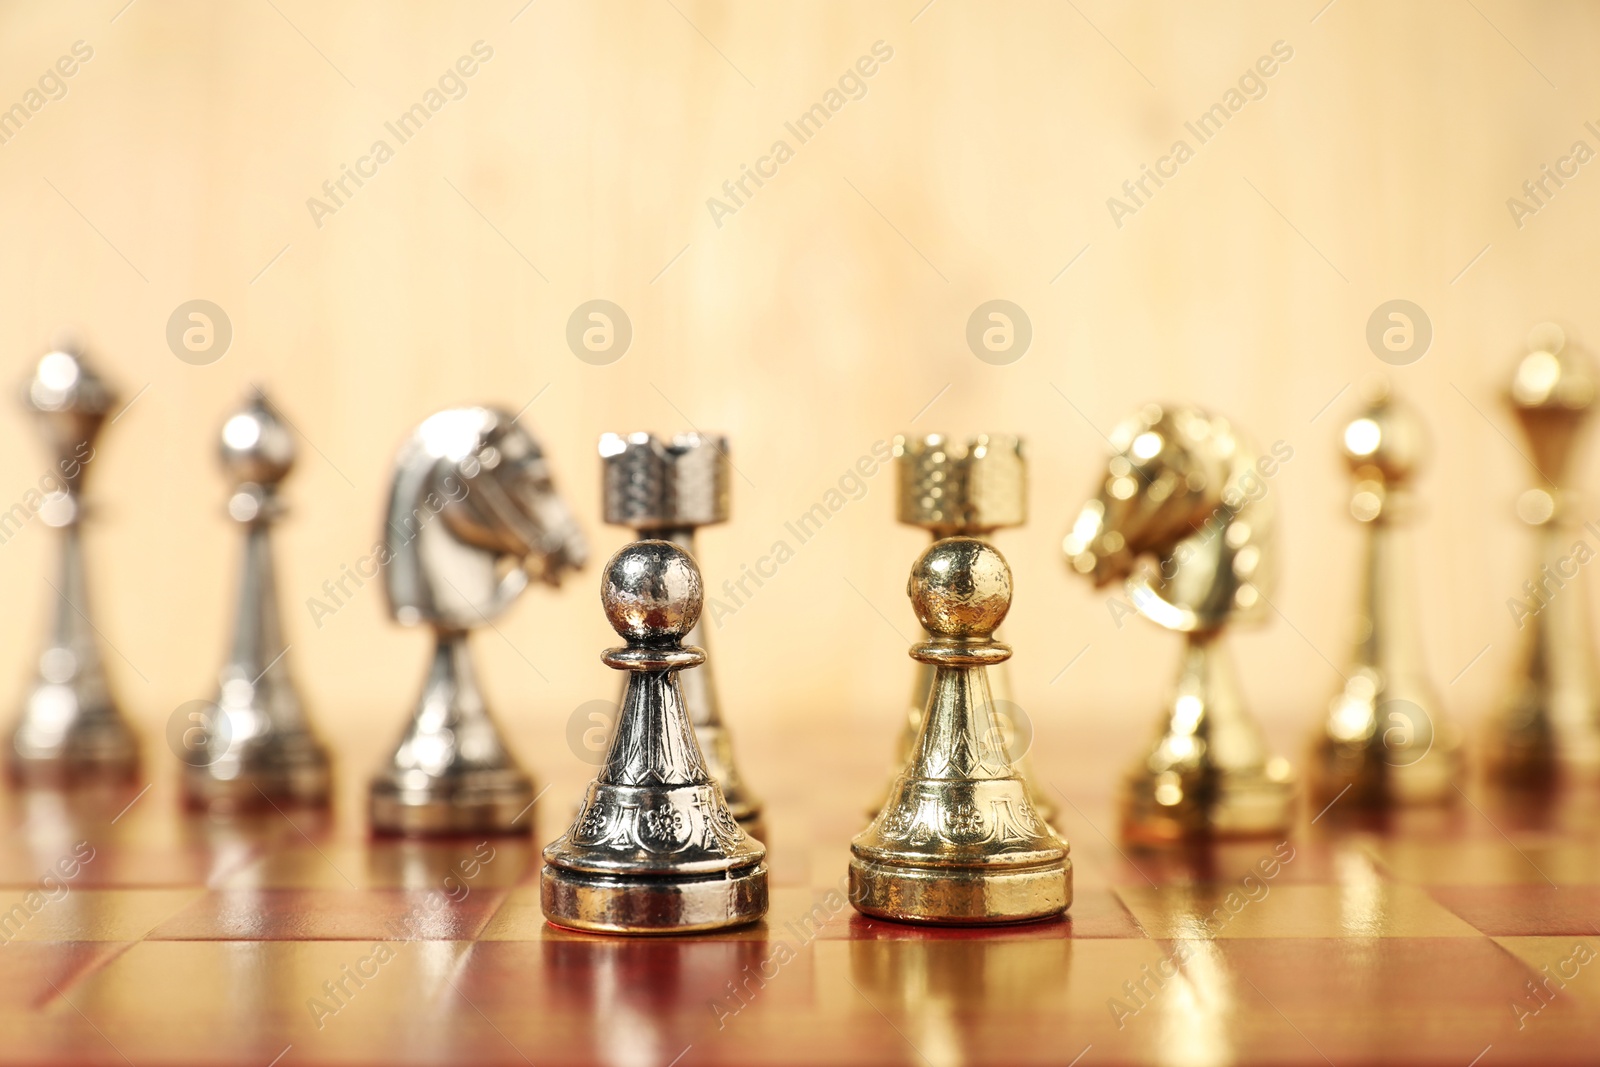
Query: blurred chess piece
point(1385, 739)
point(969, 489)
point(260, 747)
point(666, 490)
point(654, 849)
point(473, 519)
point(1551, 718)
point(70, 730)
point(1186, 491)
point(958, 840)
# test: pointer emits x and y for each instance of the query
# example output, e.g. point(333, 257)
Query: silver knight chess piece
point(70, 729)
point(1184, 519)
point(971, 489)
point(1548, 726)
point(473, 518)
point(958, 839)
point(261, 748)
point(666, 490)
point(1385, 739)
point(654, 849)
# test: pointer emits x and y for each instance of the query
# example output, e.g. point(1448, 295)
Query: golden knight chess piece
point(474, 519)
point(959, 840)
point(654, 849)
point(1184, 519)
point(666, 489)
point(1550, 721)
point(260, 747)
point(968, 489)
point(71, 730)
point(1385, 739)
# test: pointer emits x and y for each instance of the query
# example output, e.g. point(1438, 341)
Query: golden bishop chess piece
point(1188, 492)
point(1550, 721)
point(971, 489)
point(654, 849)
point(1385, 740)
point(958, 840)
point(666, 490)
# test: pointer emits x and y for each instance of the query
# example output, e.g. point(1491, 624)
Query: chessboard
point(135, 932)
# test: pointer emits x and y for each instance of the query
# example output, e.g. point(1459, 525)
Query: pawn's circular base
point(1242, 806)
point(112, 756)
point(652, 904)
point(1366, 776)
point(963, 896)
point(307, 782)
point(449, 807)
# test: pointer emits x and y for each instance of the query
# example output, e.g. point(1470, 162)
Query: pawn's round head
point(960, 587)
point(651, 591)
point(256, 445)
point(1388, 437)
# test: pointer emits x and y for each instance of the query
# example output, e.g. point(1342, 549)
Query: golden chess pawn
point(1550, 721)
point(1187, 491)
point(654, 849)
point(958, 840)
point(1385, 739)
point(667, 490)
point(970, 489)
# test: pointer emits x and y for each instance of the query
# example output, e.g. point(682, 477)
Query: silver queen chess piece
point(473, 519)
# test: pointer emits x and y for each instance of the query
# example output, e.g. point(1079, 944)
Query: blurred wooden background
point(827, 313)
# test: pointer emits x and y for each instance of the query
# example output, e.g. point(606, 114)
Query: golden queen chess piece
point(970, 489)
point(654, 849)
point(70, 730)
point(1550, 721)
point(958, 840)
point(259, 746)
point(1188, 492)
point(666, 490)
point(1385, 739)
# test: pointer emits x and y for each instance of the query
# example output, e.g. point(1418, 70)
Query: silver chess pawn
point(958, 839)
point(1385, 739)
point(667, 490)
point(260, 747)
point(1183, 519)
point(654, 849)
point(969, 489)
point(70, 729)
point(1549, 723)
point(473, 518)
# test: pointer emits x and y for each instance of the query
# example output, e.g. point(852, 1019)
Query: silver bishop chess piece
point(473, 519)
point(666, 489)
point(958, 839)
point(970, 489)
point(654, 849)
point(259, 746)
point(71, 729)
point(1385, 740)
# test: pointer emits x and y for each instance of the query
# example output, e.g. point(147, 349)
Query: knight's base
point(963, 896)
point(498, 804)
point(652, 904)
point(1243, 807)
point(305, 783)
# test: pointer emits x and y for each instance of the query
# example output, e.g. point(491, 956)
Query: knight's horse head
point(473, 518)
point(1183, 517)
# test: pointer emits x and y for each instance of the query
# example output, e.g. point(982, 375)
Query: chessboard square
point(1525, 910)
point(1563, 968)
point(1489, 862)
point(87, 914)
point(1362, 909)
point(330, 915)
point(32, 972)
point(390, 864)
